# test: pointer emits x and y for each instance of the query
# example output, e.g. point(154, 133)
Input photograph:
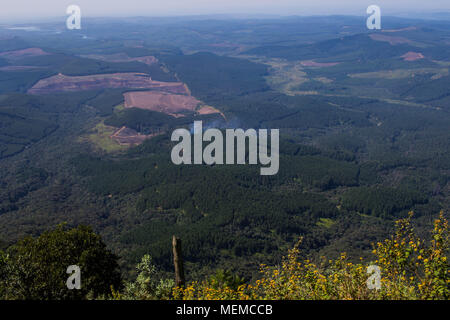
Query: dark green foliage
point(321, 172)
point(359, 47)
point(144, 120)
point(225, 279)
point(13, 43)
point(335, 50)
point(147, 121)
point(208, 75)
point(76, 66)
point(21, 81)
point(26, 119)
point(381, 201)
point(106, 100)
point(19, 128)
point(36, 268)
point(3, 62)
point(196, 201)
point(432, 90)
point(28, 180)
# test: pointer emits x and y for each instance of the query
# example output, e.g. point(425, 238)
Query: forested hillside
point(364, 137)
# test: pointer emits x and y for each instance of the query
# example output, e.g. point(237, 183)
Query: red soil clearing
point(207, 110)
point(412, 56)
point(62, 83)
point(399, 30)
point(210, 110)
point(172, 104)
point(127, 136)
point(392, 40)
point(24, 53)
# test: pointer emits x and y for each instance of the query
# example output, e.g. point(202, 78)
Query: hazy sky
point(24, 9)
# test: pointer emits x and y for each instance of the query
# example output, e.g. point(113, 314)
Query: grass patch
point(119, 108)
point(325, 222)
point(100, 137)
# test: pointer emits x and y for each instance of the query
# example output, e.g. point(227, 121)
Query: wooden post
point(178, 262)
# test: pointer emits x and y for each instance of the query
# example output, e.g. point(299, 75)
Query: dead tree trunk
point(178, 262)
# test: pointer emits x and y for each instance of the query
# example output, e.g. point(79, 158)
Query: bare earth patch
point(324, 80)
point(112, 139)
point(399, 30)
point(391, 39)
point(130, 137)
point(24, 53)
point(172, 104)
point(210, 110)
point(207, 110)
point(63, 83)
point(100, 138)
point(412, 56)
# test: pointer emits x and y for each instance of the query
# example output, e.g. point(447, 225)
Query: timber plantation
point(86, 118)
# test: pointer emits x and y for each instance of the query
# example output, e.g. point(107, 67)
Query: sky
point(40, 9)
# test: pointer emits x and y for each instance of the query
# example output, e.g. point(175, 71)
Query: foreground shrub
point(35, 268)
point(409, 269)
